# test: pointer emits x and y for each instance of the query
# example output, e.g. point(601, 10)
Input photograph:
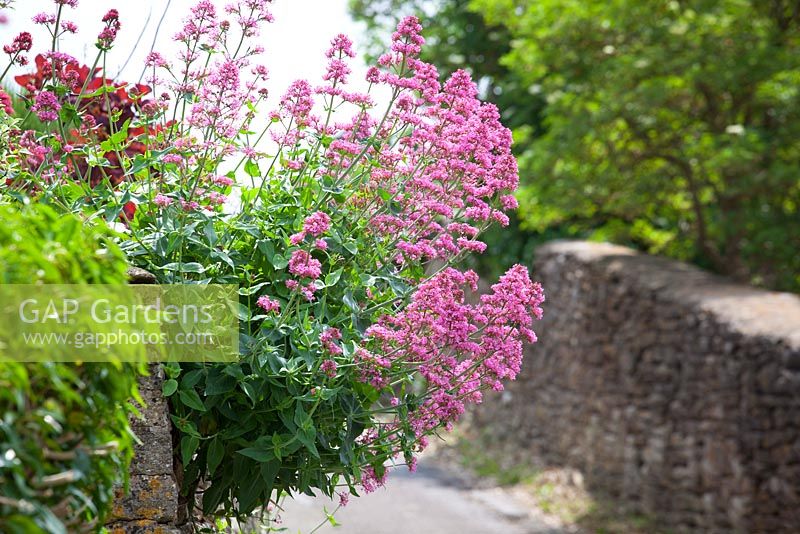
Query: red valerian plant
point(343, 221)
point(105, 107)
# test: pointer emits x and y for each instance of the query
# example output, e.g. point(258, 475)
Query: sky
point(294, 44)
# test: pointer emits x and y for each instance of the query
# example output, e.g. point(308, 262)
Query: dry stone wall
point(669, 388)
point(151, 504)
point(150, 507)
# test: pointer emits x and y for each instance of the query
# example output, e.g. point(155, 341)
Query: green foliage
point(64, 435)
point(273, 422)
point(28, 120)
point(671, 125)
point(339, 227)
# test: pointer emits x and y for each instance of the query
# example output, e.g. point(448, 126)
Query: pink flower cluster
point(317, 223)
point(46, 106)
point(459, 348)
point(268, 304)
point(21, 43)
point(302, 264)
point(448, 179)
point(329, 368)
point(109, 33)
point(328, 339)
point(162, 201)
point(373, 369)
point(314, 225)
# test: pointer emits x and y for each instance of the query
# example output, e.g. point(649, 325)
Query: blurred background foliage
point(670, 126)
point(64, 428)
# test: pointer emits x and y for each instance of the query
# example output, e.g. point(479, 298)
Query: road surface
point(430, 501)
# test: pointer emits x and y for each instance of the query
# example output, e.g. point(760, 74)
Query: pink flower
point(294, 164)
point(223, 181)
point(509, 202)
point(44, 18)
point(298, 102)
point(460, 347)
point(408, 40)
point(268, 304)
point(373, 75)
point(372, 368)
point(308, 291)
point(154, 59)
point(162, 201)
point(216, 198)
point(108, 34)
point(412, 464)
point(302, 264)
point(317, 223)
point(5, 103)
point(341, 45)
point(328, 339)
point(46, 106)
point(370, 481)
point(22, 43)
point(328, 367)
point(337, 71)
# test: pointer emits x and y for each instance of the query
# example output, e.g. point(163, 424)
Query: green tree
point(670, 124)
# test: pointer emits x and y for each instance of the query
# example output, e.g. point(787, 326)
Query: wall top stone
point(747, 310)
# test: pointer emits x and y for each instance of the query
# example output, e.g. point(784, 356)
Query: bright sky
point(295, 43)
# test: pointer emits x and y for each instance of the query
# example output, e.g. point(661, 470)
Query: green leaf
point(269, 470)
point(216, 450)
point(267, 248)
point(261, 451)
point(214, 495)
point(192, 267)
point(350, 301)
point(245, 291)
point(251, 168)
point(307, 433)
point(243, 312)
point(169, 387)
point(188, 446)
point(218, 383)
point(210, 233)
point(249, 390)
point(279, 262)
point(191, 399)
point(352, 247)
point(332, 278)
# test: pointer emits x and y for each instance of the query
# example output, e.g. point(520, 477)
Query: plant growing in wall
point(341, 218)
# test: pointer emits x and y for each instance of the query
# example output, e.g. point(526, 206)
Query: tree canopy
point(669, 125)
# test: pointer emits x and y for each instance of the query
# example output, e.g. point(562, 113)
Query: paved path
point(426, 502)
